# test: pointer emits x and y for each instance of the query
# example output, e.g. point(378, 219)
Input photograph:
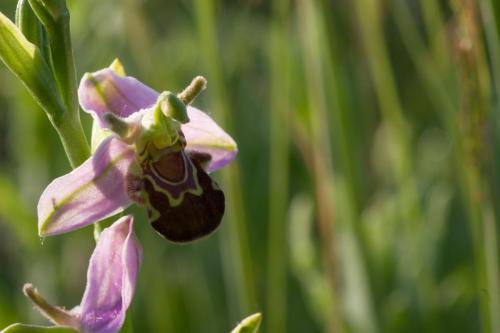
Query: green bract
point(54, 91)
point(25, 60)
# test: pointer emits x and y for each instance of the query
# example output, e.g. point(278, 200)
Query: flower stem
point(238, 263)
point(54, 16)
point(318, 140)
point(73, 139)
point(473, 184)
point(278, 170)
point(401, 137)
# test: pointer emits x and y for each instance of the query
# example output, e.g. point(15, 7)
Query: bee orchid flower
point(111, 280)
point(152, 149)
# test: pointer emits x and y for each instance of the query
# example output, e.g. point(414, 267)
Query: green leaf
point(250, 324)
point(24, 328)
point(26, 62)
point(54, 16)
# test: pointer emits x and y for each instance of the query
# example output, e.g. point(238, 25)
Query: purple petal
point(104, 91)
point(111, 278)
point(205, 137)
point(93, 191)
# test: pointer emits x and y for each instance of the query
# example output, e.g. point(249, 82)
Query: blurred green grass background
point(365, 194)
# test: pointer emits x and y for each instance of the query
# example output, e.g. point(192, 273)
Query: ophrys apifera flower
point(152, 149)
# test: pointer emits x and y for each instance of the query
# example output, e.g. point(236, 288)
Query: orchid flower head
point(152, 149)
point(111, 280)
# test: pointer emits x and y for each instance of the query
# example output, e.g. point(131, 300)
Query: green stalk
point(492, 259)
point(475, 96)
point(369, 13)
point(435, 72)
point(235, 244)
point(436, 30)
point(319, 138)
point(279, 169)
point(73, 139)
point(390, 106)
point(482, 229)
point(490, 23)
point(350, 211)
point(475, 105)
